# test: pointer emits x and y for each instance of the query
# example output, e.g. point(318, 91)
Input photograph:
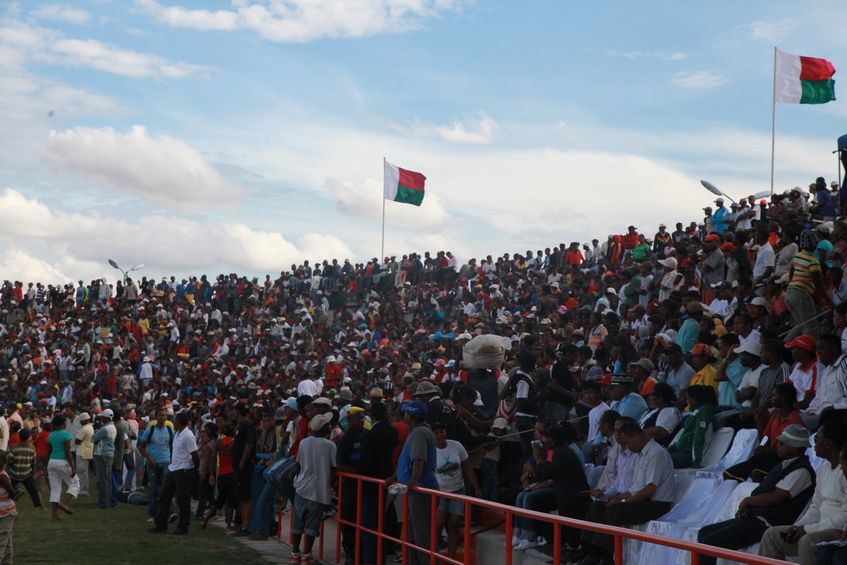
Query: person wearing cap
point(671, 278)
point(490, 467)
point(777, 501)
point(825, 518)
point(104, 456)
point(687, 450)
point(662, 239)
point(804, 372)
point(831, 386)
point(312, 499)
point(348, 457)
point(702, 358)
point(626, 401)
point(84, 451)
point(416, 467)
point(718, 217)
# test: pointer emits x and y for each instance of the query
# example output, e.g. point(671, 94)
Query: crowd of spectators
point(620, 354)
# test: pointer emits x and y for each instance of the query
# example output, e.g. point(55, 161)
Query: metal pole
point(382, 246)
point(773, 119)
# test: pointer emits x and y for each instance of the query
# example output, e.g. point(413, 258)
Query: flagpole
point(773, 119)
point(382, 247)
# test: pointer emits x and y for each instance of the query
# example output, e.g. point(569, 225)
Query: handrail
point(619, 533)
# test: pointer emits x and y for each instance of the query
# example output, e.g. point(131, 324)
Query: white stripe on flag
point(788, 86)
point(391, 181)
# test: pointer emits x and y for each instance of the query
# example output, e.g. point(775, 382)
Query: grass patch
point(117, 536)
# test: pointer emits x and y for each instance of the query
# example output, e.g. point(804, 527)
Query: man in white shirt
point(765, 257)
point(184, 460)
point(309, 386)
point(831, 386)
point(827, 513)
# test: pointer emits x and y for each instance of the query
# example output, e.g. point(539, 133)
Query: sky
point(215, 136)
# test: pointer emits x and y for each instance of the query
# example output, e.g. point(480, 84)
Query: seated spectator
point(827, 513)
point(663, 419)
point(701, 360)
point(687, 451)
point(729, 372)
point(831, 386)
point(804, 372)
point(626, 401)
point(784, 414)
point(595, 450)
point(755, 397)
point(778, 501)
point(650, 496)
point(620, 466)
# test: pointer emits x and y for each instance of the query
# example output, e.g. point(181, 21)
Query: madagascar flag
point(404, 186)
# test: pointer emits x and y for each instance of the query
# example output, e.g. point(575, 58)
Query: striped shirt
point(806, 267)
point(21, 461)
point(7, 505)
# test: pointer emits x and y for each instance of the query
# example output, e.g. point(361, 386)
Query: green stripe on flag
point(817, 91)
point(409, 196)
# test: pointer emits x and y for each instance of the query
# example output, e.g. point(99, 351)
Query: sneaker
point(151, 520)
point(306, 558)
point(515, 540)
point(172, 518)
point(526, 544)
point(295, 557)
point(241, 534)
point(541, 541)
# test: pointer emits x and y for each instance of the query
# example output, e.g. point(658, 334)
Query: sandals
point(295, 557)
point(306, 558)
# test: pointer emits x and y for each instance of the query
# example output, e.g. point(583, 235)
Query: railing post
point(618, 550)
point(433, 529)
point(405, 529)
point(380, 506)
point(358, 529)
point(695, 558)
point(508, 534)
point(338, 522)
point(557, 543)
point(467, 545)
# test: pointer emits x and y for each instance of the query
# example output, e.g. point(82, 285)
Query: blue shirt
point(687, 335)
point(158, 443)
point(718, 220)
point(419, 445)
point(727, 389)
point(632, 405)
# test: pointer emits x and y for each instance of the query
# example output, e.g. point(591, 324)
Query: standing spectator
point(61, 468)
point(184, 461)
point(8, 512)
point(316, 459)
point(21, 466)
point(84, 451)
point(805, 280)
point(104, 456)
point(416, 467)
point(243, 455)
point(451, 465)
point(155, 446)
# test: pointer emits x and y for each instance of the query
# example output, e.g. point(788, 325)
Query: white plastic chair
point(718, 447)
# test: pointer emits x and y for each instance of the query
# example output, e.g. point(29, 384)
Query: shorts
point(241, 484)
point(451, 506)
point(308, 516)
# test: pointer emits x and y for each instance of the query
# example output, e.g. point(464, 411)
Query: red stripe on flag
point(815, 69)
point(411, 179)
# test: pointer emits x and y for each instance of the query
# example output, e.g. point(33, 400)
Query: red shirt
point(574, 257)
point(402, 434)
point(41, 445)
point(225, 456)
point(777, 424)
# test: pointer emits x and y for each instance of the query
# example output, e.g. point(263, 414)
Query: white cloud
point(365, 200)
point(161, 169)
point(62, 13)
point(123, 62)
point(698, 80)
point(659, 55)
point(75, 244)
point(480, 130)
point(20, 43)
point(772, 31)
point(300, 21)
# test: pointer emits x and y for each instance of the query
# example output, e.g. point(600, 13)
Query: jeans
point(264, 510)
point(802, 307)
point(257, 486)
point(736, 533)
point(129, 461)
point(103, 470)
point(116, 484)
point(490, 480)
point(541, 499)
point(176, 483)
point(369, 520)
point(157, 475)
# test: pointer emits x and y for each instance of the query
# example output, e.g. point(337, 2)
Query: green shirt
point(57, 441)
point(694, 428)
point(640, 251)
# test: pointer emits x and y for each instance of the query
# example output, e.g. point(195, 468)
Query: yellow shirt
point(705, 377)
point(85, 448)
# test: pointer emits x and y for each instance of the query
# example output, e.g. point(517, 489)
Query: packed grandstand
point(689, 383)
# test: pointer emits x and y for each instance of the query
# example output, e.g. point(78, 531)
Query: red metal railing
point(509, 512)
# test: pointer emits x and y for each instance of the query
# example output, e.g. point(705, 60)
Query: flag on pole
point(401, 185)
point(803, 80)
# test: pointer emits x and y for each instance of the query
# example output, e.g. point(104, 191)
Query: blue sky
point(209, 136)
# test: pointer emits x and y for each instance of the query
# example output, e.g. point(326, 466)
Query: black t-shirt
point(350, 448)
point(246, 434)
point(561, 374)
